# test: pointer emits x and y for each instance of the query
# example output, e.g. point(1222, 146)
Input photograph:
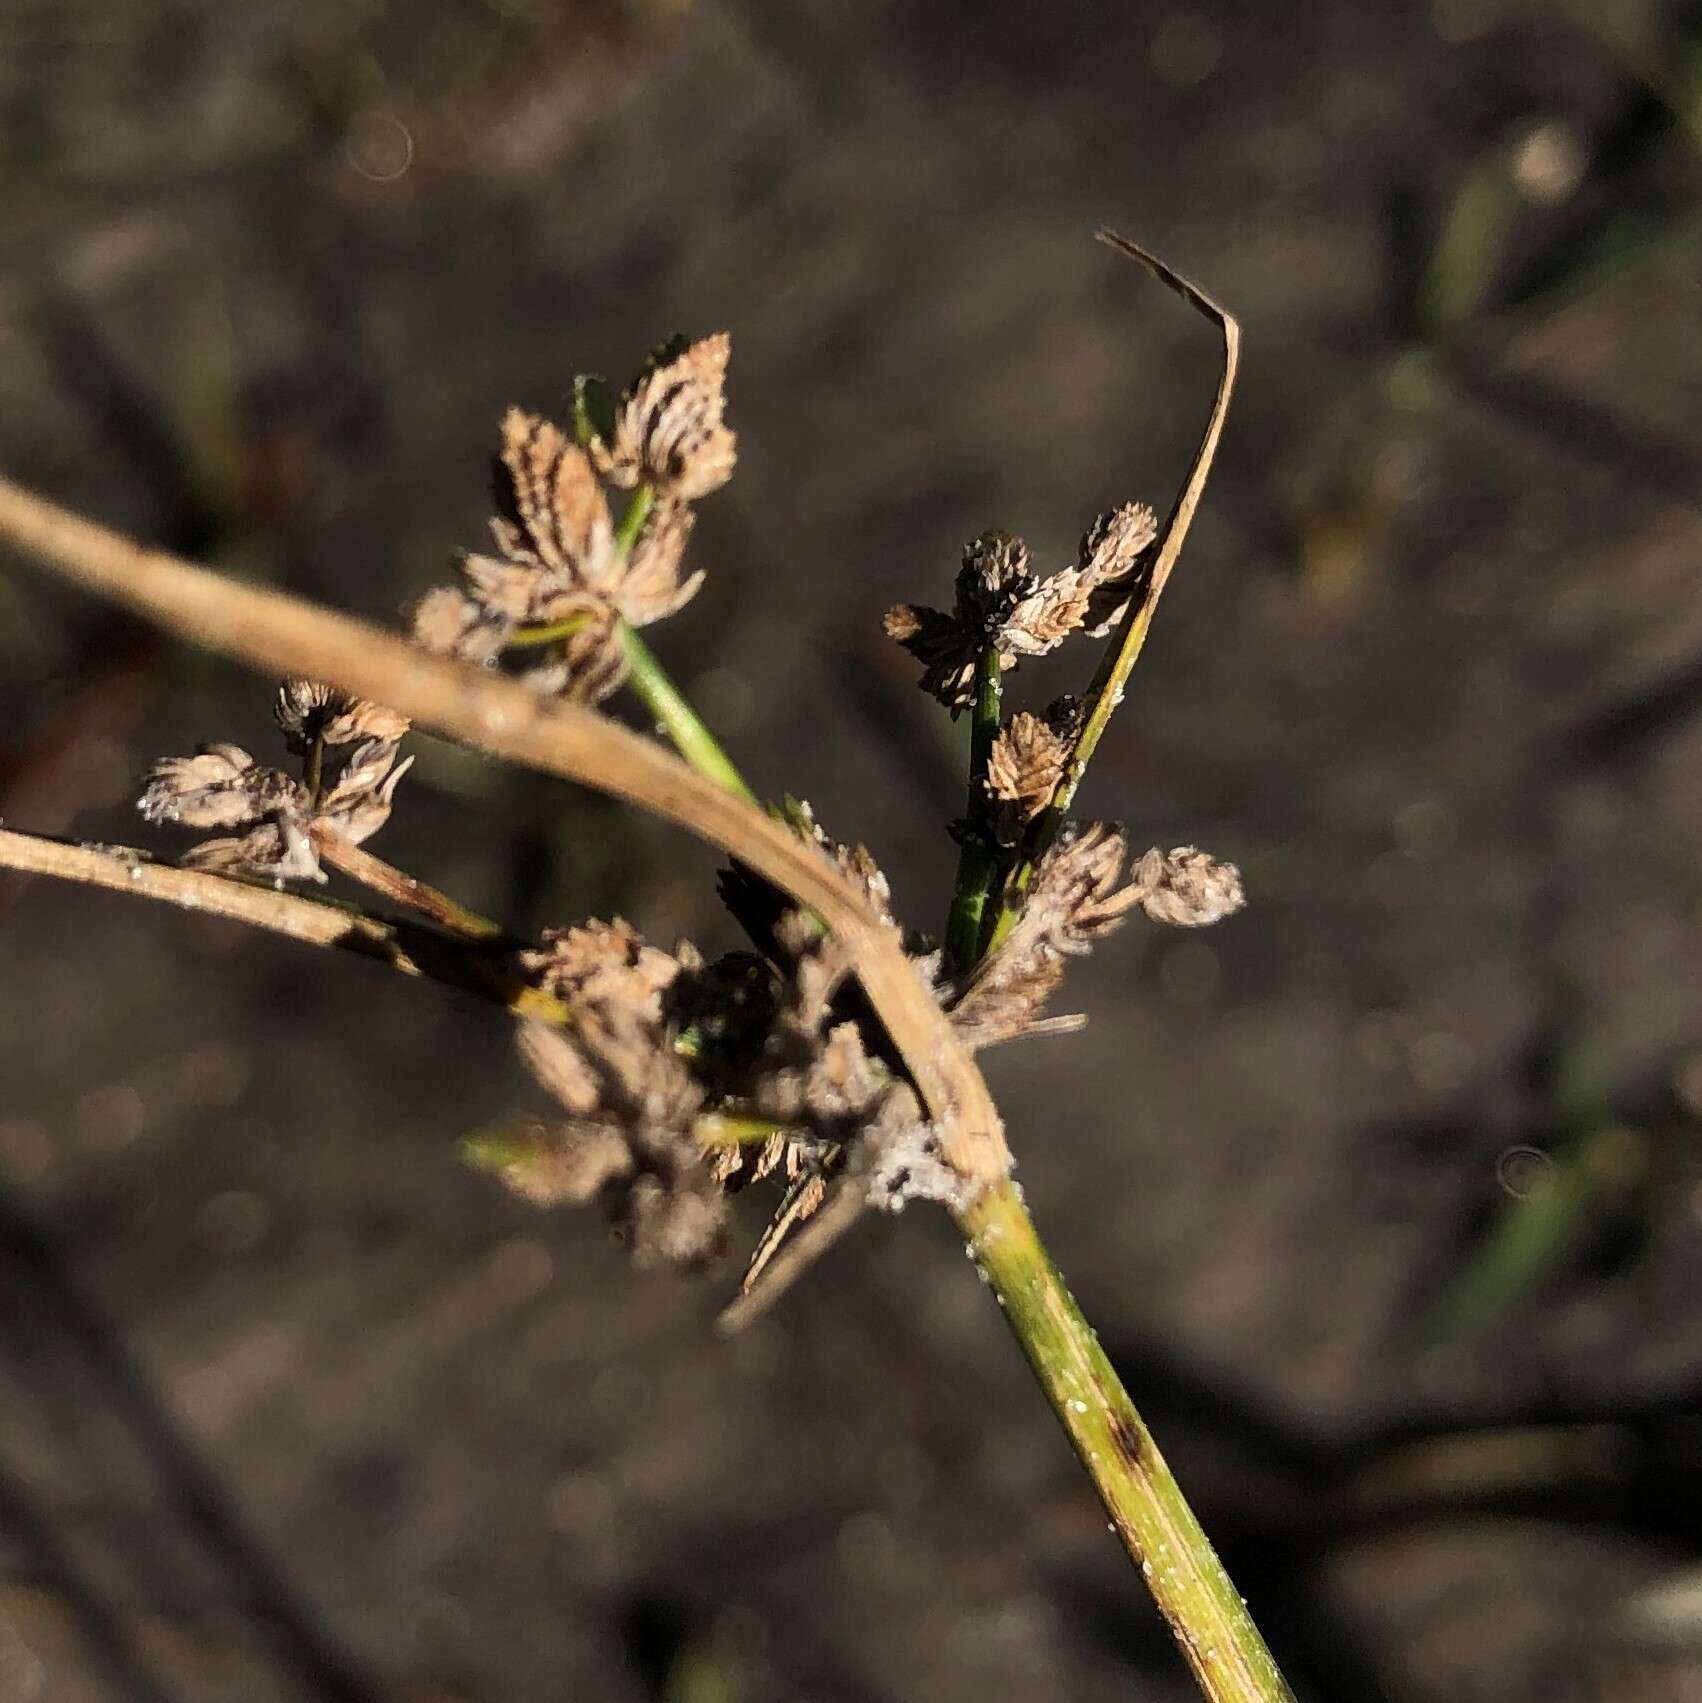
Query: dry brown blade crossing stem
point(125, 870)
point(286, 635)
point(296, 916)
point(1125, 647)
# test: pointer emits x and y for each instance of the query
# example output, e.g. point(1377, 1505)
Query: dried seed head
point(681, 1223)
point(559, 575)
point(1007, 993)
point(620, 1082)
point(993, 577)
point(561, 1164)
point(506, 591)
point(221, 786)
point(561, 1068)
point(309, 710)
point(944, 646)
point(1186, 887)
point(1111, 560)
point(1072, 901)
point(1075, 898)
point(1000, 603)
point(669, 430)
point(651, 588)
point(447, 622)
point(603, 963)
point(551, 509)
point(1023, 770)
point(359, 803)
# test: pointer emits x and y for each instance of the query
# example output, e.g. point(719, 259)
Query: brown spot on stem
point(1126, 1438)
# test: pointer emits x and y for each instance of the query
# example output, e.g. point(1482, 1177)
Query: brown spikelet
point(1042, 620)
point(586, 664)
point(602, 963)
point(448, 622)
point(670, 431)
point(1007, 993)
point(1023, 770)
point(651, 588)
point(1075, 898)
point(1113, 559)
point(999, 602)
point(309, 710)
point(1187, 888)
point(551, 509)
point(559, 1164)
point(561, 1068)
point(620, 1083)
point(359, 803)
point(278, 851)
point(219, 787)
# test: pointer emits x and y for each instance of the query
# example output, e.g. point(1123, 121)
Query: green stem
point(1206, 1615)
point(632, 521)
point(676, 718)
point(546, 632)
point(734, 1129)
point(1147, 1509)
point(1104, 693)
point(978, 864)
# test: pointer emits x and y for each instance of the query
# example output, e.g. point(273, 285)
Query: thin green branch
point(651, 684)
point(978, 864)
point(529, 637)
point(632, 521)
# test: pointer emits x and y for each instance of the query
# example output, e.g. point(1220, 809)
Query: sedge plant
point(835, 1055)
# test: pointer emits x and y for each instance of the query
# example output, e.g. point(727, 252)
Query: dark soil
point(293, 1407)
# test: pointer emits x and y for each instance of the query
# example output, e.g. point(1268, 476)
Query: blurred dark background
point(1386, 1197)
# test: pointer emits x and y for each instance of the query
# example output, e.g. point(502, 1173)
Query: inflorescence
point(677, 1081)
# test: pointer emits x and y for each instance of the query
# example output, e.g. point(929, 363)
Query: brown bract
point(606, 963)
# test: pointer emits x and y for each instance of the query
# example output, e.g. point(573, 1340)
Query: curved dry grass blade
point(1125, 648)
point(285, 635)
point(414, 951)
